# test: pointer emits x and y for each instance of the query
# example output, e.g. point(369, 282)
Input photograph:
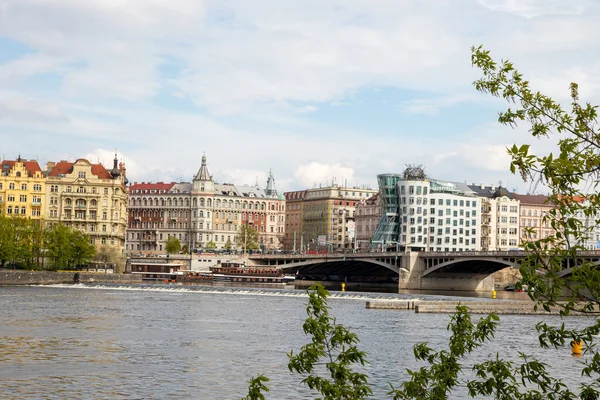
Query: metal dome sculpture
point(414, 172)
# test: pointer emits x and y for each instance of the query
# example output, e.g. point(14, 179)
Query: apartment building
point(328, 216)
point(533, 209)
point(22, 188)
point(367, 216)
point(203, 211)
point(89, 198)
point(499, 218)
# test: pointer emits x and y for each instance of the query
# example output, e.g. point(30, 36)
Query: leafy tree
point(331, 344)
point(211, 245)
point(247, 237)
point(173, 245)
point(82, 251)
point(554, 268)
point(67, 247)
point(228, 245)
point(7, 240)
point(110, 255)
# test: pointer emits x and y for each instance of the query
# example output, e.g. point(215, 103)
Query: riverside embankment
point(23, 277)
point(475, 307)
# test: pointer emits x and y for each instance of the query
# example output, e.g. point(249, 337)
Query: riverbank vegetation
point(553, 272)
point(26, 243)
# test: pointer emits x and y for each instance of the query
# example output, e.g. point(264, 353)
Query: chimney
point(493, 187)
point(482, 186)
point(50, 166)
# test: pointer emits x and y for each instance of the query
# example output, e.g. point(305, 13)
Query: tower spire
point(270, 190)
point(203, 174)
point(115, 172)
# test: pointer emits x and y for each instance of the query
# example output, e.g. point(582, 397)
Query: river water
point(201, 342)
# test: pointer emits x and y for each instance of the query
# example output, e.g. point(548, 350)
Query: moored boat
point(238, 272)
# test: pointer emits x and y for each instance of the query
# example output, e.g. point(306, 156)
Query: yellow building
point(327, 221)
point(89, 198)
point(22, 188)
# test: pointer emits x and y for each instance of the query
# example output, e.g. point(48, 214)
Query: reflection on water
point(172, 341)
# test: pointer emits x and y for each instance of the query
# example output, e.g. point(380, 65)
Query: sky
point(319, 92)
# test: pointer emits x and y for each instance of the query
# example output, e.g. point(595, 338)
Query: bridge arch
point(475, 266)
point(295, 266)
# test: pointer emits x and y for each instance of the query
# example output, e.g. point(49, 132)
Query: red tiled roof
point(65, 167)
point(31, 166)
point(151, 186)
point(297, 195)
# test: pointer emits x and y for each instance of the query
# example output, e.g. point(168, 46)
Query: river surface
point(194, 342)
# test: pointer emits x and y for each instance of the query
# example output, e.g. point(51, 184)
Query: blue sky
point(315, 91)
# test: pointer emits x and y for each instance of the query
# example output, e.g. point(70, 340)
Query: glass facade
point(386, 233)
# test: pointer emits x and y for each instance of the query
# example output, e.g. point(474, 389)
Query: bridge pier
point(411, 278)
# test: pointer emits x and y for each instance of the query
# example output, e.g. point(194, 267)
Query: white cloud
point(432, 105)
point(315, 174)
point(534, 8)
point(165, 80)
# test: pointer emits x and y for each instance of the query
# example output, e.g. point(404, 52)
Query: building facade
point(368, 215)
point(499, 218)
point(327, 217)
point(203, 211)
point(294, 227)
point(533, 209)
point(22, 188)
point(388, 229)
point(89, 198)
point(438, 215)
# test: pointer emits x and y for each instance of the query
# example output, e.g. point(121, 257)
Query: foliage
point(173, 245)
point(336, 345)
point(110, 255)
point(438, 381)
point(21, 241)
point(257, 386)
point(67, 247)
point(210, 245)
point(228, 245)
point(247, 237)
point(326, 362)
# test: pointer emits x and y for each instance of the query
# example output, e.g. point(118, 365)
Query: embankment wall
point(21, 277)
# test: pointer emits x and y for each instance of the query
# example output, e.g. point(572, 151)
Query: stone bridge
point(470, 270)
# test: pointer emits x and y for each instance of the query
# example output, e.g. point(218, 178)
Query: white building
point(438, 215)
point(499, 218)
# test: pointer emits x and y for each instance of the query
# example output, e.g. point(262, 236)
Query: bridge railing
point(324, 255)
point(511, 253)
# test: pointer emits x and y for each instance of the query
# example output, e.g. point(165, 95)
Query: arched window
point(23, 186)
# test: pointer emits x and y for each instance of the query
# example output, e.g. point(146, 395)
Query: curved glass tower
point(386, 233)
